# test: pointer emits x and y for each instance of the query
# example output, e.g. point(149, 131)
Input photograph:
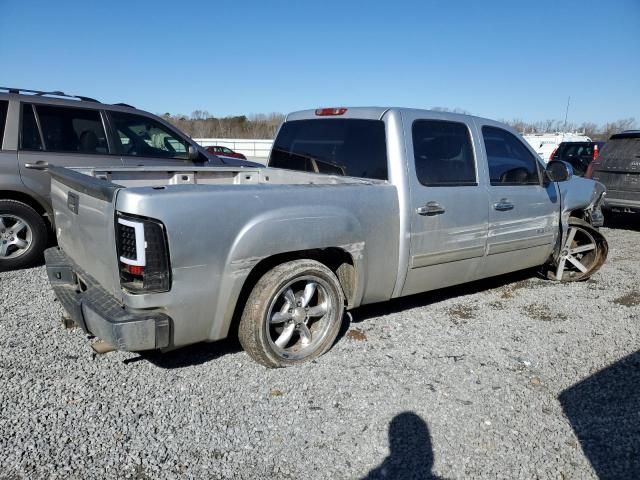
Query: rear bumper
point(99, 313)
point(612, 203)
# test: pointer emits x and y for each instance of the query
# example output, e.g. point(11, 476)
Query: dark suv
point(578, 154)
point(38, 128)
point(618, 168)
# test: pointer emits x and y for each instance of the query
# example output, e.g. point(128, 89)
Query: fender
point(281, 231)
point(577, 194)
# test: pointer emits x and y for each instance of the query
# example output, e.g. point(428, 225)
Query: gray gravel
point(458, 384)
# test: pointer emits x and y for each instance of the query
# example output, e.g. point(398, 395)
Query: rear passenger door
point(142, 140)
point(524, 209)
point(449, 204)
point(62, 136)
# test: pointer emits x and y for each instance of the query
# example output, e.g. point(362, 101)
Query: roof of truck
point(373, 113)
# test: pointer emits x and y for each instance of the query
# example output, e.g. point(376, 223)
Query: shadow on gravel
point(411, 453)
point(191, 355)
point(604, 411)
point(423, 299)
point(623, 221)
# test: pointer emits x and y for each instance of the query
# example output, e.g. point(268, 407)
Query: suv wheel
point(293, 314)
point(23, 235)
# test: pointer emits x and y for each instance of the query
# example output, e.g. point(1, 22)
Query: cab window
point(510, 162)
point(443, 153)
point(29, 133)
point(144, 137)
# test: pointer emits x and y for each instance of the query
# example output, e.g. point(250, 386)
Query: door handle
point(503, 205)
point(430, 209)
point(39, 165)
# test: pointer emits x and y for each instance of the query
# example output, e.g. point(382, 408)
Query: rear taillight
point(553, 153)
point(143, 255)
point(596, 153)
point(592, 166)
point(325, 112)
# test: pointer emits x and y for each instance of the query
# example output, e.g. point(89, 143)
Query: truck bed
point(220, 223)
point(163, 176)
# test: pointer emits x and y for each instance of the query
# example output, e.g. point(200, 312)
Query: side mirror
point(559, 171)
point(193, 153)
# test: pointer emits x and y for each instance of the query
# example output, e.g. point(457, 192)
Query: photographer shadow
point(411, 452)
point(604, 411)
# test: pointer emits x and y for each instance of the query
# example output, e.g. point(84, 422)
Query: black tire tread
point(251, 323)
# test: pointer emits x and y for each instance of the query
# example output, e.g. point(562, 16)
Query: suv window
point(510, 162)
point(77, 130)
point(442, 153)
point(3, 117)
point(29, 134)
point(144, 137)
point(352, 147)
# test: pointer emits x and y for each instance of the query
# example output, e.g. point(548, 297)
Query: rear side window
point(510, 162)
point(621, 149)
point(73, 130)
point(442, 153)
point(29, 133)
point(3, 119)
point(351, 147)
point(142, 136)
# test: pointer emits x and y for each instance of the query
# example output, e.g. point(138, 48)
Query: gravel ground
point(500, 379)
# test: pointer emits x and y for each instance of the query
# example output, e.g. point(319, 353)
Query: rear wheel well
point(336, 259)
point(24, 198)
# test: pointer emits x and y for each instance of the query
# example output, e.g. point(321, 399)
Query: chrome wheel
point(579, 255)
point(15, 236)
point(299, 317)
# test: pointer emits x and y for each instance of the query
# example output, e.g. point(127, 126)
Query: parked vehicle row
point(578, 154)
point(546, 143)
point(39, 128)
point(411, 201)
point(618, 168)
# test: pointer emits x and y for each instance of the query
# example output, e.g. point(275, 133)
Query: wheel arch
point(342, 261)
point(27, 199)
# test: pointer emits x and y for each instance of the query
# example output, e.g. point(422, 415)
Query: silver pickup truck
point(356, 206)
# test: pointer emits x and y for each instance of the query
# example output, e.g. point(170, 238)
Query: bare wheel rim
point(578, 256)
point(16, 236)
point(300, 317)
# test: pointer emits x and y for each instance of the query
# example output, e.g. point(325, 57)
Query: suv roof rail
point(54, 93)
point(124, 105)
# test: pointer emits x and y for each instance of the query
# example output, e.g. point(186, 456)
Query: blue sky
point(499, 59)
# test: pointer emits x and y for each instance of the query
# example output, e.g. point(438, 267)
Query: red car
point(224, 152)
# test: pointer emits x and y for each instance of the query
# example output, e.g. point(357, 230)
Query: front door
point(524, 209)
point(449, 205)
point(61, 136)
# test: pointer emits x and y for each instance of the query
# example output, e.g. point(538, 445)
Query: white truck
point(545, 143)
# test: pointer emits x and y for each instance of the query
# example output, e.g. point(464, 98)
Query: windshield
point(351, 147)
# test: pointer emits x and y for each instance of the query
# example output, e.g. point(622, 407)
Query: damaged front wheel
point(584, 251)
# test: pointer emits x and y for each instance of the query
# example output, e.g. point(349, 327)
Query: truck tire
point(582, 255)
point(23, 235)
point(292, 315)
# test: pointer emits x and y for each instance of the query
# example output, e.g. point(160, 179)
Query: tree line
point(201, 124)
